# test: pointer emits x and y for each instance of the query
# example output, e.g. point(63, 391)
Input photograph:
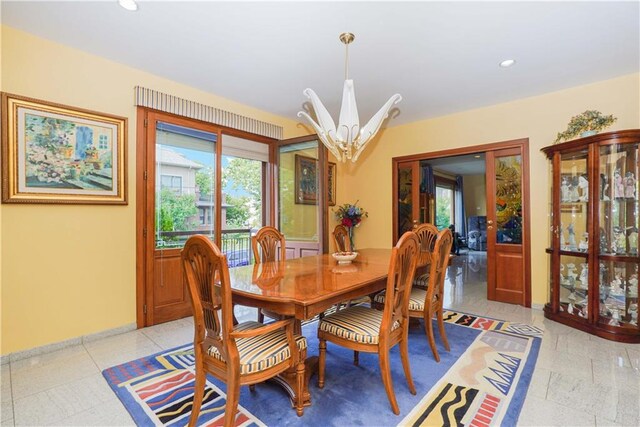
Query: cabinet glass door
point(618, 234)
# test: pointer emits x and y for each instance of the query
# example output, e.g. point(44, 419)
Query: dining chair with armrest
point(425, 303)
point(245, 354)
point(366, 329)
point(268, 245)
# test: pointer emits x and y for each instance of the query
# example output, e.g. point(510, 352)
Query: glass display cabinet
point(594, 218)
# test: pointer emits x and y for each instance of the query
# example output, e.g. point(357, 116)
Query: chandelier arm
point(373, 125)
point(324, 118)
point(322, 135)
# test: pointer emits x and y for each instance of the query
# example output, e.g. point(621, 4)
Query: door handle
point(490, 227)
point(490, 222)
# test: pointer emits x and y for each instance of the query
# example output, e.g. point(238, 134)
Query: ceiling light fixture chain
point(348, 139)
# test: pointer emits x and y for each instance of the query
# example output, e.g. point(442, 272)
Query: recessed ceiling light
point(507, 63)
point(129, 4)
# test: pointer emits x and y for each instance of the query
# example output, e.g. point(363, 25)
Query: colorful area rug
point(482, 381)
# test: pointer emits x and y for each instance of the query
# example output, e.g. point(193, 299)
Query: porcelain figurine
point(633, 240)
point(615, 317)
point(571, 271)
point(564, 190)
point(584, 312)
point(572, 237)
point(630, 186)
point(584, 275)
point(604, 187)
point(618, 185)
point(583, 185)
point(584, 243)
point(632, 290)
point(619, 244)
point(575, 194)
point(633, 311)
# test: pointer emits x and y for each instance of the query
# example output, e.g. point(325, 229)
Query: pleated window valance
point(183, 107)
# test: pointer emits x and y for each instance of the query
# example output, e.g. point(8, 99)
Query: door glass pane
point(508, 199)
point(241, 207)
point(298, 198)
point(444, 207)
point(185, 178)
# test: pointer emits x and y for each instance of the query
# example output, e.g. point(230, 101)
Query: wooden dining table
point(302, 288)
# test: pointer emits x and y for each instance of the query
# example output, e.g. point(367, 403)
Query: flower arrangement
point(590, 120)
point(350, 215)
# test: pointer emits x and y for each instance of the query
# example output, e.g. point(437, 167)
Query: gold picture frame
point(53, 153)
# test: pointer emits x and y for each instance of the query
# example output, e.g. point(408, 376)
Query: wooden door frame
point(523, 145)
point(144, 271)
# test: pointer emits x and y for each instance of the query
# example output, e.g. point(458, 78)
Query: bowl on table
point(344, 257)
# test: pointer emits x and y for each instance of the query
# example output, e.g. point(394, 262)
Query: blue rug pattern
point(482, 381)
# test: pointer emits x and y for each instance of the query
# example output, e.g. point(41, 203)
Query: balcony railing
point(236, 243)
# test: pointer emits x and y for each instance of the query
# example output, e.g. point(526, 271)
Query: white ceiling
point(442, 57)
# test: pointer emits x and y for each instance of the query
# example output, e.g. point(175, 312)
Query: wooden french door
point(302, 196)
point(175, 202)
point(506, 231)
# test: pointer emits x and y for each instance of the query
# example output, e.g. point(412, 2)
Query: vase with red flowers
point(350, 215)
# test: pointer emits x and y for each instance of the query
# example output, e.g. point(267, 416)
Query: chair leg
point(233, 396)
point(442, 331)
point(321, 361)
point(404, 355)
point(356, 357)
point(260, 316)
point(198, 394)
point(252, 388)
point(428, 326)
point(385, 370)
point(300, 388)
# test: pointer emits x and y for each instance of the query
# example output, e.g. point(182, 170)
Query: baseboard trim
point(537, 307)
point(36, 351)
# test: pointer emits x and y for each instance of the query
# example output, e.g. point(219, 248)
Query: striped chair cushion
point(416, 300)
point(261, 352)
point(421, 281)
point(358, 324)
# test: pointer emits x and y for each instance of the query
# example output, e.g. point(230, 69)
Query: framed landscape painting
point(53, 153)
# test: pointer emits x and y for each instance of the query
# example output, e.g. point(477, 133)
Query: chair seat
point(416, 300)
point(261, 352)
point(421, 281)
point(357, 323)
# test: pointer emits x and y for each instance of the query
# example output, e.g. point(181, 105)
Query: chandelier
point(348, 139)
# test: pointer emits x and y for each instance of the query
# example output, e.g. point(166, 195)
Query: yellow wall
point(70, 270)
point(537, 118)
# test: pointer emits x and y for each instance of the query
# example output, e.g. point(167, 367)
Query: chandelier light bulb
point(130, 5)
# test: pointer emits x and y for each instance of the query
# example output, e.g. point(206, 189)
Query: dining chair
point(341, 238)
point(268, 245)
point(245, 354)
point(366, 329)
point(425, 303)
point(427, 234)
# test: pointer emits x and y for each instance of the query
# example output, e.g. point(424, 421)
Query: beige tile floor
point(579, 380)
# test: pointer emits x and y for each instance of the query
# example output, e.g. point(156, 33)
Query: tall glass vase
point(353, 246)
